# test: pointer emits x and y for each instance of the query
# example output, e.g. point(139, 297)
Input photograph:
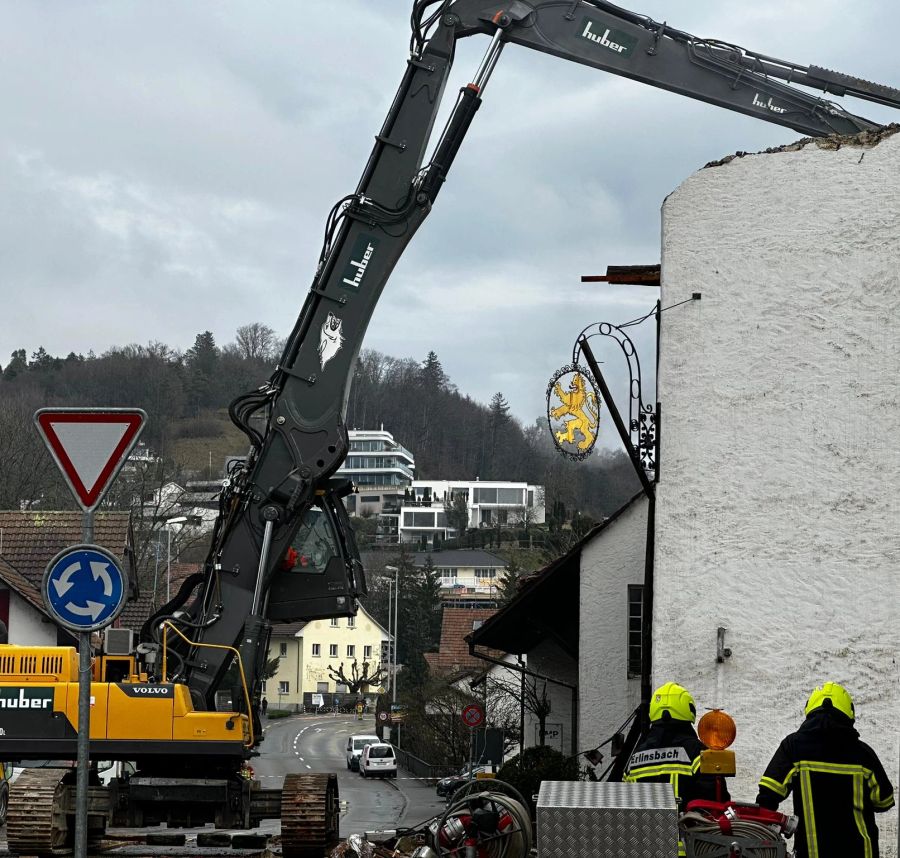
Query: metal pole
point(84, 717)
point(390, 634)
point(396, 615)
point(168, 563)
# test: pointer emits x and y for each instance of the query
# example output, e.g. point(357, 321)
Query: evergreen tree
point(432, 375)
point(18, 364)
point(202, 362)
point(43, 362)
point(499, 421)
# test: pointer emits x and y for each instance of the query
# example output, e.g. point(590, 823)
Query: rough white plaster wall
point(609, 564)
point(548, 659)
point(27, 625)
point(778, 505)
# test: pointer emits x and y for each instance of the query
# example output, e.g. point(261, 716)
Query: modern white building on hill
point(381, 469)
point(494, 503)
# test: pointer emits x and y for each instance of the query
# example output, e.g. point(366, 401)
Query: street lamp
point(396, 572)
point(179, 519)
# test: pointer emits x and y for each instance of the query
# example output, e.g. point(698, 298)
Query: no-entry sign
point(89, 445)
point(473, 715)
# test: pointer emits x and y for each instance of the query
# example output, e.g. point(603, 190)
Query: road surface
point(307, 743)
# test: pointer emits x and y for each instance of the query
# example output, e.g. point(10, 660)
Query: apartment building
point(381, 469)
point(495, 503)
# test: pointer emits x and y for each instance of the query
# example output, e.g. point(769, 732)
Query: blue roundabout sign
point(84, 588)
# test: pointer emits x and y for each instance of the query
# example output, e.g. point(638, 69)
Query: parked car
point(355, 745)
point(378, 760)
point(449, 785)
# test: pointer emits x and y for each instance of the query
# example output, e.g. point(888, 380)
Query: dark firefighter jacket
point(839, 785)
point(671, 753)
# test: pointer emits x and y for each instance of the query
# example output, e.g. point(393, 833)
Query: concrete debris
point(865, 139)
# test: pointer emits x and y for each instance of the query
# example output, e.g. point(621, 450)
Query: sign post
point(84, 586)
point(472, 716)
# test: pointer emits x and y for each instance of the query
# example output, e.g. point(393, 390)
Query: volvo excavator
point(155, 705)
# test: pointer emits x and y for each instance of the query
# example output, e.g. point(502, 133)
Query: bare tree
point(28, 476)
point(534, 698)
point(360, 675)
point(255, 341)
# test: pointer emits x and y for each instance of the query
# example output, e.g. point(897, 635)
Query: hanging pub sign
point(573, 411)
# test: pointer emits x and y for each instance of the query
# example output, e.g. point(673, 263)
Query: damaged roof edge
point(866, 139)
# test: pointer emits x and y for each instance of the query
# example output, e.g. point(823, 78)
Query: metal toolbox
point(606, 820)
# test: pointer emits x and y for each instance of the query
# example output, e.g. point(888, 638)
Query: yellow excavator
point(157, 704)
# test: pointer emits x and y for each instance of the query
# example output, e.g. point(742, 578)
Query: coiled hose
point(511, 838)
point(754, 836)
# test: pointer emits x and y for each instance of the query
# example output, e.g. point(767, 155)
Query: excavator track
point(36, 821)
point(309, 814)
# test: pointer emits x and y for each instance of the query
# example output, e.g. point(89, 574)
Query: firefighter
point(838, 782)
point(670, 752)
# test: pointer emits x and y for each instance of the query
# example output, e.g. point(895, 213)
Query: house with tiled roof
point(29, 540)
point(22, 611)
point(576, 623)
point(452, 660)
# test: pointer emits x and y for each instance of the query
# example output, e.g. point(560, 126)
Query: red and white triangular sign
point(90, 445)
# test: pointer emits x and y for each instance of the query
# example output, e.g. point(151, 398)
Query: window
point(351, 622)
point(367, 652)
point(314, 543)
point(351, 651)
point(448, 574)
point(322, 688)
point(284, 687)
point(418, 519)
point(282, 650)
point(635, 614)
point(317, 650)
point(511, 496)
point(334, 622)
point(370, 499)
point(485, 495)
point(485, 573)
point(332, 650)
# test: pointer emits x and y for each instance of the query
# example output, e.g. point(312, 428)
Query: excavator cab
point(322, 574)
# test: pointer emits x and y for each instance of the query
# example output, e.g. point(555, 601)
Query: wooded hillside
point(186, 393)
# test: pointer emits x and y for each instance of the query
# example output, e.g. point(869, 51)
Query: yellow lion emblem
point(582, 405)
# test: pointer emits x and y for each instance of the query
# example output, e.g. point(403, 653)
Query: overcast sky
point(166, 168)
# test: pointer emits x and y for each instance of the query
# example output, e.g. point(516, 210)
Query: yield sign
point(90, 445)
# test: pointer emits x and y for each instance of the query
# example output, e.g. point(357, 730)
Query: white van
point(355, 745)
point(378, 760)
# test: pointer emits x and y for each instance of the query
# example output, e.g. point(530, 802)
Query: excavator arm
point(295, 422)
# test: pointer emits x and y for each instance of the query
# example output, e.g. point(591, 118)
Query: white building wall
point(547, 659)
point(610, 562)
point(27, 625)
point(779, 502)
